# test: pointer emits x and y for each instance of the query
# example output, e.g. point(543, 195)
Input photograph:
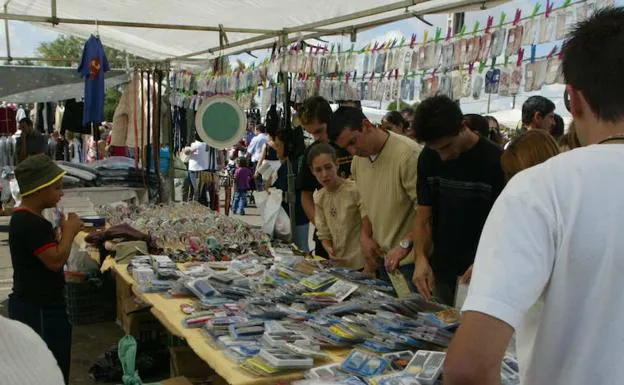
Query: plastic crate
point(90, 301)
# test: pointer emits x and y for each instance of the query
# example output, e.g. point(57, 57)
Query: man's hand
point(71, 225)
point(370, 248)
point(370, 268)
point(465, 278)
point(394, 257)
point(423, 277)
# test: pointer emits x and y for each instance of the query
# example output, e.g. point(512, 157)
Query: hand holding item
point(394, 257)
point(423, 277)
point(370, 248)
point(467, 276)
point(71, 225)
point(370, 268)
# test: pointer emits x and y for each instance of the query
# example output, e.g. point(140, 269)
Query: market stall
point(204, 298)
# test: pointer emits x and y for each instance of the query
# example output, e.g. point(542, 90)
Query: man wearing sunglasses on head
point(314, 115)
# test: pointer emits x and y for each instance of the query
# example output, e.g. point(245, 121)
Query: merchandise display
point(400, 68)
point(200, 234)
point(280, 313)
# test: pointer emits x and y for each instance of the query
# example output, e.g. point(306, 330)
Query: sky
point(26, 37)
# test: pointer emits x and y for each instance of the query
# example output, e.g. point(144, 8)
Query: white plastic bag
point(275, 220)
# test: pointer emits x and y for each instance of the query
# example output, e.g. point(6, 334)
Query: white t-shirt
point(25, 359)
point(550, 263)
point(199, 157)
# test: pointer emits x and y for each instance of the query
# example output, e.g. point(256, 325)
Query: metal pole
point(332, 31)
point(53, 4)
point(6, 33)
point(307, 27)
point(131, 24)
point(489, 100)
point(148, 149)
point(291, 194)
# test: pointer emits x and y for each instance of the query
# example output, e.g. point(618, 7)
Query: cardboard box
point(184, 362)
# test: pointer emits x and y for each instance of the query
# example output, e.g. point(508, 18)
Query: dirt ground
point(89, 341)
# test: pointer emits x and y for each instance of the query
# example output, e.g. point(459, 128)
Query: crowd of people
point(430, 191)
point(430, 197)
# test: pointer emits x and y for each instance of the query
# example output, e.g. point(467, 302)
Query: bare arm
point(55, 257)
point(423, 274)
point(422, 230)
point(262, 154)
point(475, 355)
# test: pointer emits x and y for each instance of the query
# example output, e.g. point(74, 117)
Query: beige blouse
point(338, 218)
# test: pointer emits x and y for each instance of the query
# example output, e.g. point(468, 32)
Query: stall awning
point(29, 84)
point(239, 24)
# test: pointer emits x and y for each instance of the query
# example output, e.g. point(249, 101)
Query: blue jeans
point(51, 323)
point(239, 202)
point(406, 270)
point(300, 237)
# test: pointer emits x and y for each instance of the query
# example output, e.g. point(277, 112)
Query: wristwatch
point(406, 244)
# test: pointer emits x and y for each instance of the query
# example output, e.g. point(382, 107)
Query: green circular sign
point(220, 122)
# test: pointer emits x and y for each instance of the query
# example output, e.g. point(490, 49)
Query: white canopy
point(245, 24)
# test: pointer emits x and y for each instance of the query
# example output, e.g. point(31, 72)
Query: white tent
point(199, 29)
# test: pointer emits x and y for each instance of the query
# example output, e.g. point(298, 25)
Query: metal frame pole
point(309, 26)
point(291, 194)
point(332, 31)
point(131, 24)
point(6, 33)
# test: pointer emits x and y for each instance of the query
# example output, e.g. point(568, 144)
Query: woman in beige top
point(337, 213)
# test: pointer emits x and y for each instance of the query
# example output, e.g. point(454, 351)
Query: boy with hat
point(38, 257)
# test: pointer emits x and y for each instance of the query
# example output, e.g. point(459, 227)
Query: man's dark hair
point(557, 129)
point(437, 117)
point(593, 59)
point(350, 103)
point(315, 109)
point(536, 104)
point(477, 123)
point(261, 129)
point(343, 118)
point(26, 121)
point(320, 149)
point(407, 110)
point(395, 117)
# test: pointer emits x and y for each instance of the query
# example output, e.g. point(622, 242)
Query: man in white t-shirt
point(257, 144)
point(550, 263)
point(25, 359)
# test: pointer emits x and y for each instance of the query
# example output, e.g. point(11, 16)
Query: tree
point(70, 48)
point(111, 99)
point(393, 104)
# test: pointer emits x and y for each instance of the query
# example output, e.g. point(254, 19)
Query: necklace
point(612, 138)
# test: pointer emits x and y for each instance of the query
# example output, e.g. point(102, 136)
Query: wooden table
point(167, 311)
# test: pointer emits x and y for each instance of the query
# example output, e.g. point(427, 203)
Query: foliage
point(111, 99)
point(70, 48)
point(393, 104)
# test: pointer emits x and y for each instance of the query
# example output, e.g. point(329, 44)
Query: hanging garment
point(72, 117)
point(92, 67)
point(75, 151)
point(4, 152)
point(8, 121)
point(58, 117)
point(45, 118)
